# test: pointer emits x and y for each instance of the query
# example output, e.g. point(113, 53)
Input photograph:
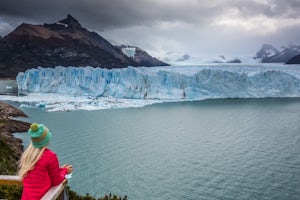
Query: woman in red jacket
point(39, 166)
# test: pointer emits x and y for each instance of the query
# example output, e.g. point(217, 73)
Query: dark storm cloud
point(108, 14)
point(102, 14)
point(165, 25)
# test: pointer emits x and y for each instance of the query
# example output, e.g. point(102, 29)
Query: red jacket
point(45, 174)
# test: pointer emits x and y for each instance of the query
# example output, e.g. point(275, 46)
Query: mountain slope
point(294, 60)
point(269, 54)
point(64, 43)
point(140, 56)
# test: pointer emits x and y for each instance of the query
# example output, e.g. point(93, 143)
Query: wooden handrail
point(10, 180)
point(55, 191)
point(52, 194)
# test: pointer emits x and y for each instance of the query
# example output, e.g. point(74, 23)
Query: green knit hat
point(40, 135)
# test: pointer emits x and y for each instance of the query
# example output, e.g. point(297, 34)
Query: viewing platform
point(55, 192)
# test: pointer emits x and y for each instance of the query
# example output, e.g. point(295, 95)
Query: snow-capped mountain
point(269, 54)
point(266, 51)
point(266, 54)
point(140, 56)
point(225, 59)
point(182, 58)
point(295, 47)
point(179, 58)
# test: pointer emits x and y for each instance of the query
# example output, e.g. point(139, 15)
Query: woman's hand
point(69, 168)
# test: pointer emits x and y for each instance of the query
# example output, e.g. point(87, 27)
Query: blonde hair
point(29, 158)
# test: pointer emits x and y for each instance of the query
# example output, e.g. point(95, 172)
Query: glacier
point(88, 88)
point(165, 83)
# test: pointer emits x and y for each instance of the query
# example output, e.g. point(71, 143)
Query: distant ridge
point(64, 43)
point(269, 54)
point(294, 60)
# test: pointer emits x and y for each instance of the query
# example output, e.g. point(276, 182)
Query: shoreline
point(12, 146)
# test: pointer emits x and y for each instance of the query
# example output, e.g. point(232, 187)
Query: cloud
point(214, 26)
point(109, 14)
point(259, 24)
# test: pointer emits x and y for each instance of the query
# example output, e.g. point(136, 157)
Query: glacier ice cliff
point(166, 83)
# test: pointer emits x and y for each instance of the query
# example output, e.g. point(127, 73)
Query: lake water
point(212, 149)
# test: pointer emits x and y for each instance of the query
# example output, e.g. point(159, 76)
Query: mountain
point(223, 59)
point(183, 58)
point(64, 43)
point(140, 56)
point(178, 58)
point(267, 51)
point(294, 60)
point(269, 54)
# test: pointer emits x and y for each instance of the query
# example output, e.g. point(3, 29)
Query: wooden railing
point(10, 180)
point(55, 192)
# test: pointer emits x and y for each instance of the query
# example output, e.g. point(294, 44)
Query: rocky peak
point(71, 22)
point(67, 24)
point(269, 54)
point(293, 46)
point(267, 50)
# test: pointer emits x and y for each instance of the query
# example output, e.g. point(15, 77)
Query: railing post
point(65, 194)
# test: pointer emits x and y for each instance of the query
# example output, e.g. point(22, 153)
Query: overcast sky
point(200, 28)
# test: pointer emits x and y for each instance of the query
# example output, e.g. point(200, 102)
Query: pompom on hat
point(39, 134)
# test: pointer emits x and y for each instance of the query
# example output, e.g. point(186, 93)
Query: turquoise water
point(212, 149)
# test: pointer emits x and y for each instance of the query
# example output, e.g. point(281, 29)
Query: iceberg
point(166, 83)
